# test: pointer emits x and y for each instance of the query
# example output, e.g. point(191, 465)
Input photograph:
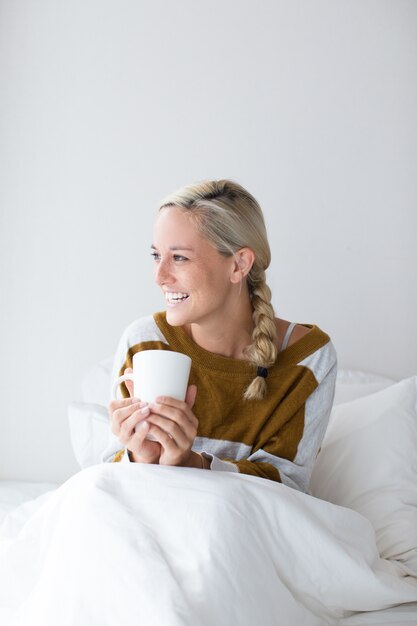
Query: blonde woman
point(261, 388)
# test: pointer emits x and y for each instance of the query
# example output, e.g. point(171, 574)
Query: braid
point(262, 351)
point(230, 218)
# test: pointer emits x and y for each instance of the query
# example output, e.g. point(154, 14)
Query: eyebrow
point(175, 248)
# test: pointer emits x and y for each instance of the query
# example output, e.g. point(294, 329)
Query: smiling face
point(198, 282)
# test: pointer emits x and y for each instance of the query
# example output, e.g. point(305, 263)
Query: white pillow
point(368, 462)
point(95, 387)
point(89, 431)
point(352, 384)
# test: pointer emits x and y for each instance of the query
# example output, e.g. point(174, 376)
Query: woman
point(129, 544)
point(261, 388)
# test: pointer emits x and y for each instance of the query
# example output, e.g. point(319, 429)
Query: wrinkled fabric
point(148, 545)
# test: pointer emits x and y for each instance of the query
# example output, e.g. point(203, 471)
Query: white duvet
point(142, 545)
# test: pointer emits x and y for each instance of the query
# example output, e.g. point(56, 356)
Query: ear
point(242, 265)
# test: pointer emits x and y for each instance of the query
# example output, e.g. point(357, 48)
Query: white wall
point(107, 106)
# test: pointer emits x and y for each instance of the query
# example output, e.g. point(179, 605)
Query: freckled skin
point(200, 271)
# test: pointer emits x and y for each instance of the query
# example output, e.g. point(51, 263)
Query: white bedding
point(14, 492)
point(149, 545)
point(146, 545)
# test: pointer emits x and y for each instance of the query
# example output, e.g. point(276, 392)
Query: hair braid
point(263, 350)
point(230, 218)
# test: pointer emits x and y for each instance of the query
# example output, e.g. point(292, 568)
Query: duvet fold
point(145, 545)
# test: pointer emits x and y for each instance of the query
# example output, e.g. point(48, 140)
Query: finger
point(168, 443)
point(129, 383)
point(137, 440)
point(165, 406)
point(117, 405)
point(175, 423)
point(181, 438)
point(124, 412)
point(128, 426)
point(119, 416)
point(191, 395)
point(183, 416)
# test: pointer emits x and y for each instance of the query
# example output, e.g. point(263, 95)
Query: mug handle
point(120, 380)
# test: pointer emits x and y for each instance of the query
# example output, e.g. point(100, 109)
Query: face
point(197, 281)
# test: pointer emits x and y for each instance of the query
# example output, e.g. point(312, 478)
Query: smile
point(174, 298)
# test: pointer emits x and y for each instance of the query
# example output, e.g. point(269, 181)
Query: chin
point(176, 318)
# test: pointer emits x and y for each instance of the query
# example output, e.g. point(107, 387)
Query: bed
point(240, 549)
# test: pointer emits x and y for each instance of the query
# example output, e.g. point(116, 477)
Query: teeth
point(175, 296)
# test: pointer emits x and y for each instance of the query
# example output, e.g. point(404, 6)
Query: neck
point(229, 336)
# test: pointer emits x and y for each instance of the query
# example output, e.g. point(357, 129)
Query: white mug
point(158, 373)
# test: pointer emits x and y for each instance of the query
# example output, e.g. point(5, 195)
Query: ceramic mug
point(157, 373)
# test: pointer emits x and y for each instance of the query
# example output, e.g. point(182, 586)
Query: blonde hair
point(230, 218)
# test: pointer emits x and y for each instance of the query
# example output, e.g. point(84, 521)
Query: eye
point(156, 257)
point(180, 258)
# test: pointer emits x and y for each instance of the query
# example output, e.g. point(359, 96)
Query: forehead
point(173, 223)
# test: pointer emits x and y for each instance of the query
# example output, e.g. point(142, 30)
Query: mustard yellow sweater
point(276, 438)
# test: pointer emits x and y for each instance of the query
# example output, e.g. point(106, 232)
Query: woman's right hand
point(125, 415)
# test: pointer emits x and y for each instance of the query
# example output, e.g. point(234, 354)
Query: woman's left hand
point(174, 426)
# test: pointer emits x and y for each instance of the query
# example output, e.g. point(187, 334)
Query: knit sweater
point(278, 437)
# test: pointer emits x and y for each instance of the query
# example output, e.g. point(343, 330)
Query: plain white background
point(107, 106)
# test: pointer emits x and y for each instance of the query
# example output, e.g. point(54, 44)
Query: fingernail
point(143, 425)
point(144, 411)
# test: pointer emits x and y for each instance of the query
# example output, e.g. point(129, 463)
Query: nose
point(163, 272)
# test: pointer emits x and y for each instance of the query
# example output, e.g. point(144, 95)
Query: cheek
point(216, 285)
point(205, 281)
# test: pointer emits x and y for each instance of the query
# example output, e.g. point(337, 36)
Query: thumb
point(129, 383)
point(191, 395)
